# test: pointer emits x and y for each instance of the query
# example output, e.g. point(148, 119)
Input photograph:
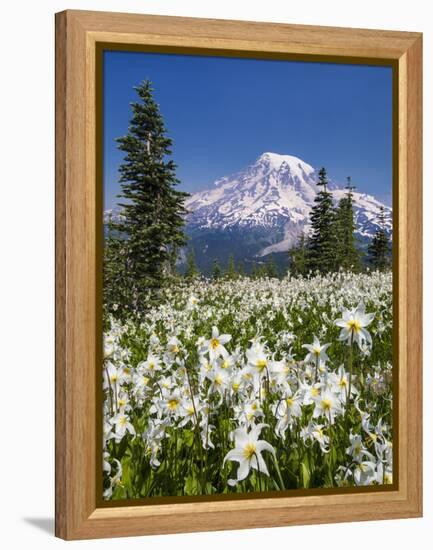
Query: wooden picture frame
point(79, 34)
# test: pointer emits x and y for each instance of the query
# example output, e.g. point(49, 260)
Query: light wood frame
point(77, 36)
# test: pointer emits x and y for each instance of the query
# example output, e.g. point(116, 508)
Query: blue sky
point(222, 113)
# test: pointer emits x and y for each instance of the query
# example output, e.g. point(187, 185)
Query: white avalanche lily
point(257, 360)
point(150, 366)
point(247, 452)
point(317, 352)
point(215, 346)
point(327, 404)
point(122, 425)
point(353, 325)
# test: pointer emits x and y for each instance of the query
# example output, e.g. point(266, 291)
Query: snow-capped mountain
point(262, 210)
point(274, 195)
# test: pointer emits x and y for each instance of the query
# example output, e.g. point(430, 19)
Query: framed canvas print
point(238, 229)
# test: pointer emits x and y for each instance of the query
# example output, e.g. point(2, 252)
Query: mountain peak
point(275, 160)
point(276, 194)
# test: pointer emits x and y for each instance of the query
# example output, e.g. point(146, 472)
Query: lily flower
point(357, 450)
point(327, 405)
point(150, 366)
point(247, 452)
point(215, 345)
point(122, 425)
point(317, 352)
point(258, 361)
point(353, 323)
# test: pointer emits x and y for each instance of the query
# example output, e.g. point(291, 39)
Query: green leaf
point(305, 473)
point(192, 486)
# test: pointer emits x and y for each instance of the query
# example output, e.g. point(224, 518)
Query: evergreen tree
point(115, 273)
point(271, 269)
point(379, 249)
point(191, 267)
point(216, 270)
point(241, 269)
point(321, 254)
point(143, 244)
point(298, 256)
point(348, 256)
point(231, 268)
point(261, 271)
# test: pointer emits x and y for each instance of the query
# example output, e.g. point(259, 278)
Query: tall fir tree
point(298, 256)
point(231, 268)
point(191, 270)
point(216, 270)
point(254, 273)
point(271, 268)
point(348, 256)
point(143, 244)
point(379, 248)
point(322, 239)
point(261, 271)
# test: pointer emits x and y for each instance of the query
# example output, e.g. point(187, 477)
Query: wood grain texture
point(77, 34)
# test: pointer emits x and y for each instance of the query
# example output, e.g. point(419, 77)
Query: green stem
point(197, 432)
point(258, 470)
point(280, 477)
point(331, 477)
point(316, 370)
point(350, 364)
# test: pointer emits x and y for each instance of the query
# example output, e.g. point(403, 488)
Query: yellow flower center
point(113, 378)
point(190, 410)
point(314, 392)
point(151, 365)
point(214, 343)
point(225, 364)
point(173, 404)
point(174, 348)
point(326, 404)
point(235, 386)
point(342, 383)
point(354, 325)
point(145, 380)
point(261, 364)
point(371, 440)
point(289, 402)
point(249, 450)
point(126, 370)
point(316, 351)
point(122, 420)
point(218, 380)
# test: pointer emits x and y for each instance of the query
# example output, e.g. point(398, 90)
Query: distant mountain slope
point(275, 193)
point(262, 210)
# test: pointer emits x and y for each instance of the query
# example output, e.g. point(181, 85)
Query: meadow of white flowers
point(251, 385)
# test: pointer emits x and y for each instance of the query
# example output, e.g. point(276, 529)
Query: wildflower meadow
point(246, 385)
